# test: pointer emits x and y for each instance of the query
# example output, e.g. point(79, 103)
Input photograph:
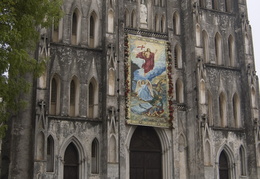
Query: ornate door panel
point(145, 155)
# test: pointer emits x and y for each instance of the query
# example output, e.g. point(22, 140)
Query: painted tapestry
point(147, 82)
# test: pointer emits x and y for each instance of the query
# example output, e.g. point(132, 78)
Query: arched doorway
point(71, 162)
point(145, 154)
point(223, 166)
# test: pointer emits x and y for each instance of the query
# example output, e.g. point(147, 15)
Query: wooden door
point(145, 154)
point(71, 163)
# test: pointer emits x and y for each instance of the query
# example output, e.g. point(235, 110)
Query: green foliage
point(20, 21)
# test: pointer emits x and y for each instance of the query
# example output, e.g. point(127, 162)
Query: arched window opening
point(253, 97)
point(57, 31)
point(127, 18)
point(205, 39)
point(71, 162)
point(236, 110)
point(112, 150)
point(133, 20)
point(54, 96)
point(110, 23)
point(222, 110)
point(75, 27)
point(215, 4)
point(223, 166)
point(93, 99)
point(179, 91)
point(231, 51)
point(163, 24)
point(242, 161)
point(210, 109)
point(50, 154)
point(111, 82)
point(161, 3)
point(95, 157)
point(156, 23)
point(202, 92)
point(207, 154)
point(228, 6)
point(178, 57)
point(198, 36)
point(176, 23)
point(72, 97)
point(92, 31)
point(218, 49)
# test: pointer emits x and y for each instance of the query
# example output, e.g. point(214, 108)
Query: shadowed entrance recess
point(145, 154)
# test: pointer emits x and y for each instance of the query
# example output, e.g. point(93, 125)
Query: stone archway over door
point(145, 154)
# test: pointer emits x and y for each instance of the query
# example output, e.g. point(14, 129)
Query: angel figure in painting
point(144, 90)
point(148, 57)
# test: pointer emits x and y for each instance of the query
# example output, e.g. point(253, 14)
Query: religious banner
point(148, 82)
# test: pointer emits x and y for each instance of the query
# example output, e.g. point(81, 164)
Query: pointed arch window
point(111, 81)
point(205, 39)
point(133, 19)
point(176, 23)
point(198, 36)
point(95, 157)
point(57, 31)
point(110, 22)
point(222, 109)
point(228, 6)
point(71, 162)
point(215, 4)
point(253, 97)
point(75, 28)
point(231, 50)
point(210, 109)
point(91, 31)
point(202, 92)
point(163, 24)
point(218, 49)
point(157, 23)
point(112, 149)
point(179, 91)
point(127, 18)
point(236, 110)
point(207, 154)
point(74, 97)
point(50, 154)
point(54, 95)
point(242, 158)
point(93, 99)
point(178, 57)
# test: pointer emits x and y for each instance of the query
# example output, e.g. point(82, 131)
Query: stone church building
point(145, 89)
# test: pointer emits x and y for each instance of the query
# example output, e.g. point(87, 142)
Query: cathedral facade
point(138, 89)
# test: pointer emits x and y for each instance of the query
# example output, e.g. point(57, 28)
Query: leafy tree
point(20, 21)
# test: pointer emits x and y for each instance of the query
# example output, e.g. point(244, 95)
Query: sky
point(254, 16)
